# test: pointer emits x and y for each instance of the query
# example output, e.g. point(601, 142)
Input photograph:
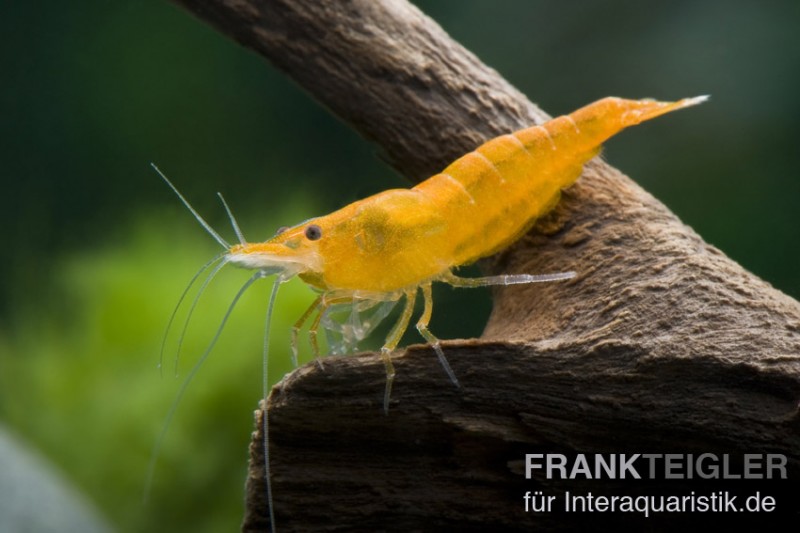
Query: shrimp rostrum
point(394, 245)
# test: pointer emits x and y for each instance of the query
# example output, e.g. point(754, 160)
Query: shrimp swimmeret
point(377, 251)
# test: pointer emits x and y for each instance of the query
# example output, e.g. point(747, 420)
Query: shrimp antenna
point(202, 289)
point(238, 231)
point(265, 412)
point(178, 305)
point(185, 385)
point(202, 222)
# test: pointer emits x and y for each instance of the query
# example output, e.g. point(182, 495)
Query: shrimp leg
point(299, 324)
point(422, 327)
point(392, 341)
point(323, 305)
point(504, 279)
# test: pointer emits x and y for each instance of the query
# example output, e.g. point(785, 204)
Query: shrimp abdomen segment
point(605, 118)
point(492, 195)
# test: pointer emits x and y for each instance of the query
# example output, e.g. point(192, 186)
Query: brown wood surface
point(661, 342)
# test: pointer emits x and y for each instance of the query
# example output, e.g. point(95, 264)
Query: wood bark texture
point(660, 344)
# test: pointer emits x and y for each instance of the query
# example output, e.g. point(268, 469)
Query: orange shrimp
point(398, 242)
point(373, 252)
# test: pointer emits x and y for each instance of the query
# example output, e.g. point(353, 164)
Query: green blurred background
point(97, 250)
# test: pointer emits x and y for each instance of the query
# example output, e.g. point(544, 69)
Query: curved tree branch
point(661, 343)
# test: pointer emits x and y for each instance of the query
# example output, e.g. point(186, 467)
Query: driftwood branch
point(661, 343)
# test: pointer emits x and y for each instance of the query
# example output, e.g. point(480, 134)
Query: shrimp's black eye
point(281, 230)
point(313, 232)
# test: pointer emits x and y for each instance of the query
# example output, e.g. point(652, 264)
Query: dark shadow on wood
point(660, 344)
